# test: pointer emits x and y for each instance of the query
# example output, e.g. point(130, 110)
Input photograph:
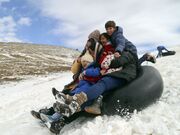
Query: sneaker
point(95, 108)
point(150, 58)
point(35, 114)
point(70, 104)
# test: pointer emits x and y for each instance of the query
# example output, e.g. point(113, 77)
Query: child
point(118, 40)
point(90, 74)
point(108, 54)
point(122, 44)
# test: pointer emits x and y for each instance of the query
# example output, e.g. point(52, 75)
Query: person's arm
point(92, 72)
point(120, 43)
point(119, 40)
point(121, 61)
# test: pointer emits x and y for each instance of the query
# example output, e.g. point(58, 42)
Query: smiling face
point(103, 40)
point(110, 30)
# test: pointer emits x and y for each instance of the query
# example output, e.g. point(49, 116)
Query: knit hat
point(95, 35)
point(87, 57)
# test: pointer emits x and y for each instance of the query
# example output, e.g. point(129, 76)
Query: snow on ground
point(161, 118)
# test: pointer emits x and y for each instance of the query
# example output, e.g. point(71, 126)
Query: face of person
point(110, 30)
point(103, 40)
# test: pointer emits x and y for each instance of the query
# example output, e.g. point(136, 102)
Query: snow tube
point(168, 53)
point(141, 92)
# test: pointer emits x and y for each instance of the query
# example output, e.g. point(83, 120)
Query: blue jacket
point(160, 48)
point(120, 43)
point(92, 73)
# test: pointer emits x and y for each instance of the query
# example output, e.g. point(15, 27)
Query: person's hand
point(81, 76)
point(110, 53)
point(116, 54)
point(102, 72)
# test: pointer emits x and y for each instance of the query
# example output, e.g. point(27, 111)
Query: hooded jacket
point(121, 43)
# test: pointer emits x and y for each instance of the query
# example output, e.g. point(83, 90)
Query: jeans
point(104, 85)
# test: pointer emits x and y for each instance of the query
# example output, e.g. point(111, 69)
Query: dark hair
point(105, 35)
point(110, 24)
point(93, 44)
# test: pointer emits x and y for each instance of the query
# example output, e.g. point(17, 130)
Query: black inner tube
point(141, 92)
point(138, 94)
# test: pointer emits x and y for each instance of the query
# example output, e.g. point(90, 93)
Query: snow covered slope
point(161, 118)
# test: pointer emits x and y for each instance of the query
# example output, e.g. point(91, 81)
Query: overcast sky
point(147, 23)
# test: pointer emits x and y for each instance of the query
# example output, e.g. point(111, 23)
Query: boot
point(95, 108)
point(46, 111)
point(56, 126)
point(63, 99)
point(71, 105)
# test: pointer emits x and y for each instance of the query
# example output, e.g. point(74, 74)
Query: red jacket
point(107, 49)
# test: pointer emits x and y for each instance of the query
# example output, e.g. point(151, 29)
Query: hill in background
point(17, 60)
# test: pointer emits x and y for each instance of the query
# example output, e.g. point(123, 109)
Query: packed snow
point(162, 118)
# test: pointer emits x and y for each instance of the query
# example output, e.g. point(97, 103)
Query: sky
point(146, 23)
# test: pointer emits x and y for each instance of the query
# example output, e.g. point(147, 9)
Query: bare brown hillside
point(20, 59)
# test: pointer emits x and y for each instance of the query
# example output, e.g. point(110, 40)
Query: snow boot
point(95, 108)
point(71, 104)
point(56, 126)
point(63, 99)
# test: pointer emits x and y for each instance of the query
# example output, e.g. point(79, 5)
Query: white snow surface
point(162, 118)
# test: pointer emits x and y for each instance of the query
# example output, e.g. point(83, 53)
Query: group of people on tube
point(108, 61)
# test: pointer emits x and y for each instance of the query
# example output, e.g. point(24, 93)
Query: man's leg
point(80, 88)
point(105, 84)
point(147, 57)
point(166, 49)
